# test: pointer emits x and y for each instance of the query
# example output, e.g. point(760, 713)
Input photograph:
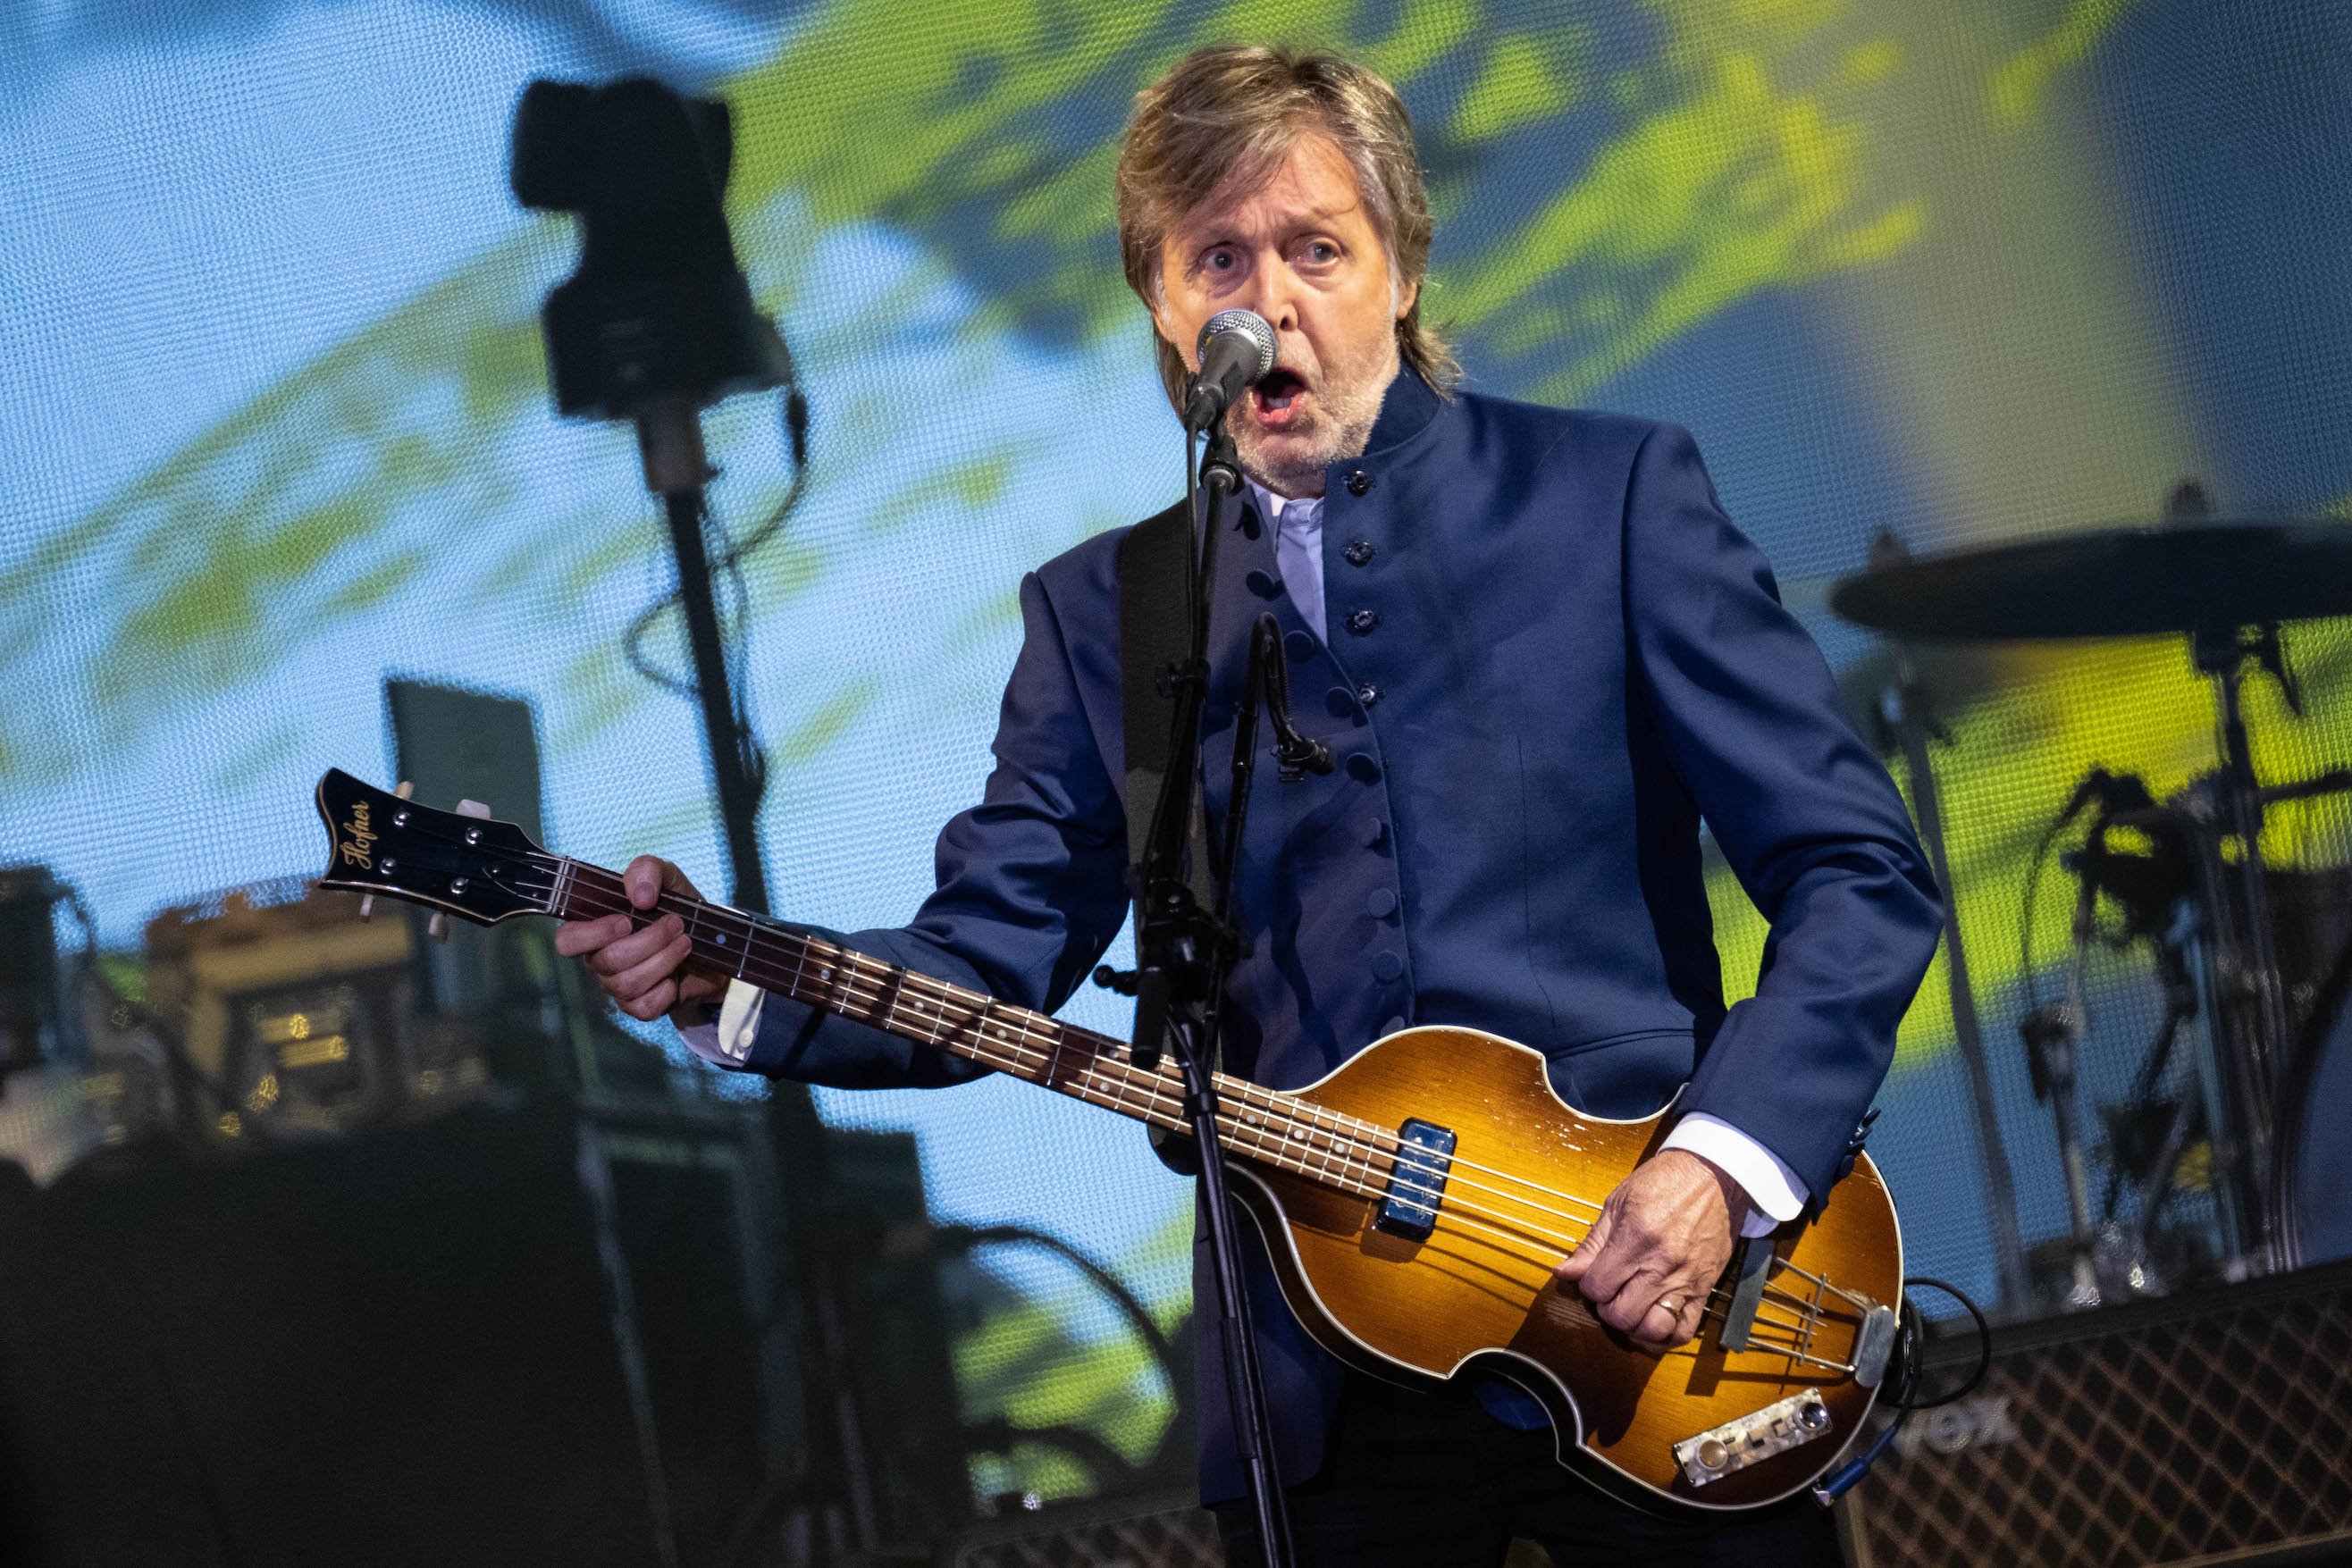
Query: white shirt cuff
point(727, 1043)
point(1774, 1193)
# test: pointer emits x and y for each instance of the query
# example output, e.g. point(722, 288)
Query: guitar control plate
point(1759, 1435)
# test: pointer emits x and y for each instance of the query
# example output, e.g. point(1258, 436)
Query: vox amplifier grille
point(2200, 1429)
point(1149, 1533)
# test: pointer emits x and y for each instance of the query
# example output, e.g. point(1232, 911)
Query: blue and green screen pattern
point(275, 423)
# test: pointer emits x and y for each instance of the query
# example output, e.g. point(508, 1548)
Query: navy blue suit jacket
point(1552, 656)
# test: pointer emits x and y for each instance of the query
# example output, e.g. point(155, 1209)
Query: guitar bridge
point(1416, 1180)
point(1759, 1435)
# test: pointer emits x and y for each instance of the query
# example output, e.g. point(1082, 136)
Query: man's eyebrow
point(1310, 216)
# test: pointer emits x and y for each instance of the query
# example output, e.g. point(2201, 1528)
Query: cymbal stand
point(2188, 1115)
point(1906, 715)
point(2243, 981)
point(2053, 1035)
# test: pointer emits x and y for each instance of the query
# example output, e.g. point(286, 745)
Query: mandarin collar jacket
point(1552, 658)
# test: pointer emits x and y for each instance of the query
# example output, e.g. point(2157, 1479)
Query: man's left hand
point(1651, 1260)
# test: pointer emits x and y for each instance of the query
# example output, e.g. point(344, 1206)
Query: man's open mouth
point(1276, 390)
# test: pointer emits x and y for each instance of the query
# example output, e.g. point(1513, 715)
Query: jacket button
point(1375, 829)
point(1359, 482)
point(1340, 701)
point(1362, 766)
point(1361, 621)
point(1387, 966)
point(1381, 904)
point(1367, 694)
point(1300, 645)
point(1392, 1025)
point(1358, 553)
point(1261, 583)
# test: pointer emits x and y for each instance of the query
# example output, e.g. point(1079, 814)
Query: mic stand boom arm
point(1182, 951)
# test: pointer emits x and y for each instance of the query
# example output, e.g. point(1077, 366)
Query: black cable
point(1899, 1398)
point(1984, 1338)
point(1139, 1317)
point(2025, 914)
point(730, 559)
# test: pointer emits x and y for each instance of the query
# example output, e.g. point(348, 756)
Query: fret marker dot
point(720, 939)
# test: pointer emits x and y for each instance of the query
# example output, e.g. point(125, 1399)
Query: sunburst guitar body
point(1469, 1291)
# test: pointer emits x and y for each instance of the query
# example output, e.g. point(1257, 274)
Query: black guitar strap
point(1153, 638)
point(1153, 563)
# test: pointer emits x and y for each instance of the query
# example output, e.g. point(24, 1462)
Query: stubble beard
point(1347, 405)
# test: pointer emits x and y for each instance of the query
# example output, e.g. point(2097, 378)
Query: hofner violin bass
point(1415, 1202)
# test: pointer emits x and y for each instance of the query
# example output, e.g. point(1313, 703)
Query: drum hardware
point(2052, 1034)
point(1907, 721)
point(2311, 1175)
point(2227, 586)
point(2149, 1133)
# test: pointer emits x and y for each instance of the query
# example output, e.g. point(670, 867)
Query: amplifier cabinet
point(1168, 1530)
point(2205, 1428)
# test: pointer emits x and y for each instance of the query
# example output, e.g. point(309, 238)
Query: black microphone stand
point(1183, 952)
point(669, 437)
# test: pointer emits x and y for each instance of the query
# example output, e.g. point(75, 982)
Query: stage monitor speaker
point(2206, 1428)
point(542, 1019)
point(36, 1024)
point(456, 744)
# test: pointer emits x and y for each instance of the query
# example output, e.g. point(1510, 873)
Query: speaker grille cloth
point(2219, 1432)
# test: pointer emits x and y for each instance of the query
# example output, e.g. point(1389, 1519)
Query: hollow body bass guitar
point(1413, 1203)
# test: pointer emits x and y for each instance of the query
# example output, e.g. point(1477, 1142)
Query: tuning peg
point(438, 926)
point(367, 901)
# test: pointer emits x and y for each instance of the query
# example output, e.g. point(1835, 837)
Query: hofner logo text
point(359, 838)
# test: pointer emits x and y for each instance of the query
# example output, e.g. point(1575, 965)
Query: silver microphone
point(1236, 348)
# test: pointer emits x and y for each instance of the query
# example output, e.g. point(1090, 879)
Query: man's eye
point(1322, 252)
point(1219, 261)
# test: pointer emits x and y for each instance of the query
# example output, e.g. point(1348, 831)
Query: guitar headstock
point(484, 870)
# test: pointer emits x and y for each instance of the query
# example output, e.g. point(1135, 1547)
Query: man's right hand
point(642, 968)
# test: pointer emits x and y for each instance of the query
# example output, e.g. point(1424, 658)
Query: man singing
point(1542, 655)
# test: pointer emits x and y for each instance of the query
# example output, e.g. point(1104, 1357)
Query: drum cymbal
point(2135, 580)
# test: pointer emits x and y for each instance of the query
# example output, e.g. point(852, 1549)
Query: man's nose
point(1275, 295)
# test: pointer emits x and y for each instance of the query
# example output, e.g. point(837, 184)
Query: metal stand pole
point(670, 440)
point(1182, 950)
point(1906, 707)
point(2062, 1050)
point(2247, 945)
point(1245, 1379)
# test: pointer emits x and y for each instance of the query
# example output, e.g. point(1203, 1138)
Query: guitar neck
point(490, 870)
point(731, 944)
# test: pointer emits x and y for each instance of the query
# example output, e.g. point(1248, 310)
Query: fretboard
point(1278, 1129)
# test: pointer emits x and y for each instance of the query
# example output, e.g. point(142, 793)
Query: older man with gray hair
point(1544, 657)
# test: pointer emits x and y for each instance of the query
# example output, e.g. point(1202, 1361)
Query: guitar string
point(1280, 1152)
point(866, 981)
point(855, 965)
point(1364, 1133)
point(1381, 1139)
point(1352, 1151)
